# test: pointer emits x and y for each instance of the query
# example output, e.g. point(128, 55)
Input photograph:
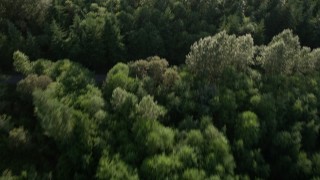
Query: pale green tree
point(280, 55)
point(210, 56)
point(149, 109)
point(22, 63)
point(123, 101)
point(284, 55)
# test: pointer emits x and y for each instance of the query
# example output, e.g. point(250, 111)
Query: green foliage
point(5, 124)
point(21, 63)
point(153, 137)
point(194, 138)
point(210, 56)
point(315, 164)
point(118, 76)
point(218, 159)
point(247, 128)
point(235, 110)
point(7, 175)
point(160, 139)
point(285, 56)
point(92, 103)
point(153, 67)
point(114, 168)
point(75, 78)
point(148, 109)
point(193, 174)
point(57, 119)
point(91, 35)
point(170, 78)
point(123, 101)
point(99, 33)
point(304, 165)
point(18, 136)
point(188, 157)
point(33, 82)
point(26, 10)
point(159, 167)
point(281, 54)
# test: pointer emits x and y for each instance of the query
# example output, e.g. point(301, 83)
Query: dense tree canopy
point(191, 90)
point(235, 111)
point(100, 33)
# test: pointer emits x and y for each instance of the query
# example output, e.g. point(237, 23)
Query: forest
point(191, 90)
